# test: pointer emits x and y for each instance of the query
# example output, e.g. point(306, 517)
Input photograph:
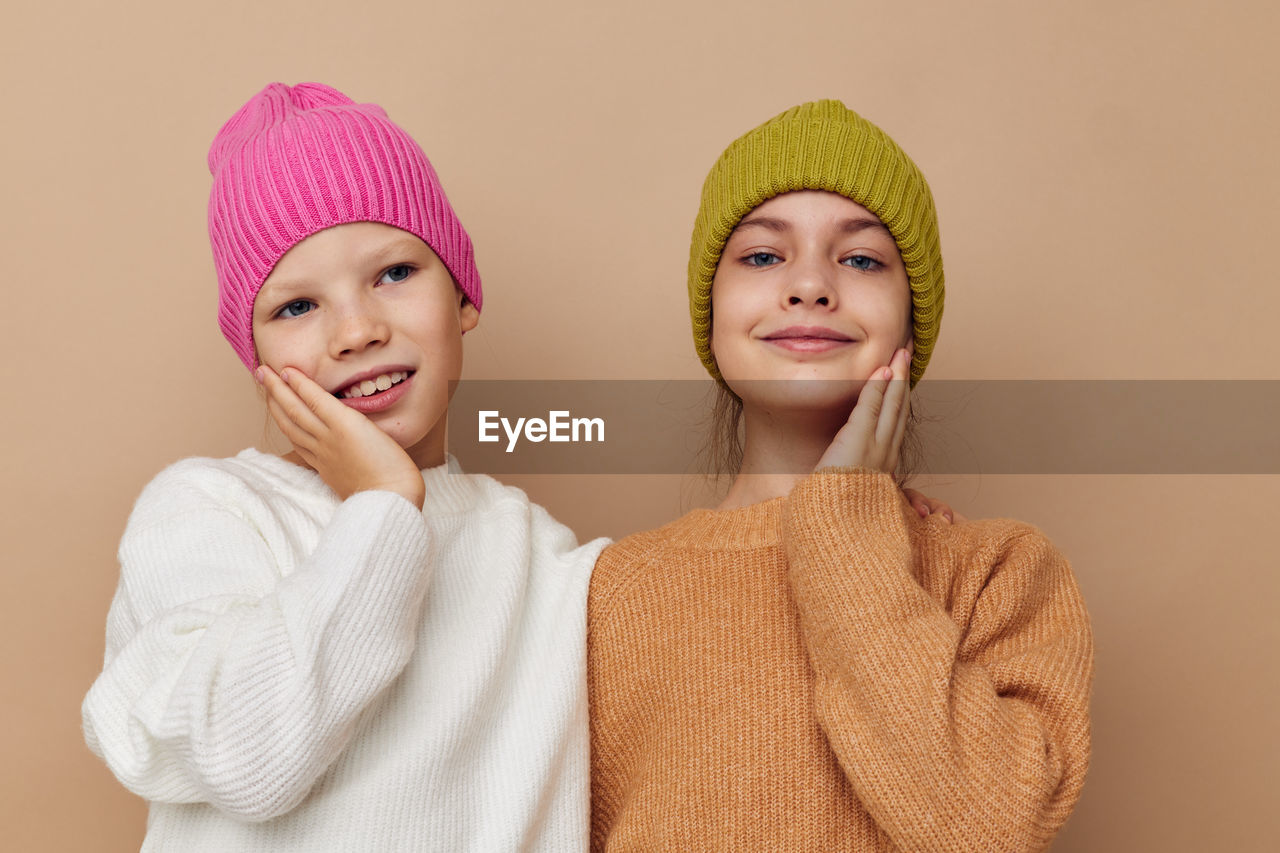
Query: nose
point(811, 283)
point(359, 325)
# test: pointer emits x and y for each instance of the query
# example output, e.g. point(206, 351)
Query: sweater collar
point(449, 489)
point(755, 526)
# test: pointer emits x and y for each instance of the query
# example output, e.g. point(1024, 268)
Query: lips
point(808, 332)
point(808, 339)
point(379, 400)
point(377, 389)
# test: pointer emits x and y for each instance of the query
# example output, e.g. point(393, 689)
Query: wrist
point(414, 492)
point(417, 496)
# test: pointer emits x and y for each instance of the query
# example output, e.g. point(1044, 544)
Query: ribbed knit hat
point(297, 160)
point(822, 145)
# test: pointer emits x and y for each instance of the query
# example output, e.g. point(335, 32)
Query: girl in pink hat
point(355, 646)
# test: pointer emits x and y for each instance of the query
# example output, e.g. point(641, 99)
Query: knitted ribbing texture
point(295, 160)
point(289, 672)
point(821, 145)
point(829, 672)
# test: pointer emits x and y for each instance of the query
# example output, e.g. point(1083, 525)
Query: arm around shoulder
point(954, 665)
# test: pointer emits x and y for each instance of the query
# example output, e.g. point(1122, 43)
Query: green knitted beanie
point(822, 145)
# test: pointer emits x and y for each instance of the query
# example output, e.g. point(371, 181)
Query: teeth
point(378, 383)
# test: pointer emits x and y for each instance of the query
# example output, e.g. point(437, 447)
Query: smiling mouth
point(808, 334)
point(808, 345)
point(808, 340)
point(376, 385)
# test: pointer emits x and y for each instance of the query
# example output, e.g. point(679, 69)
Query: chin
point(406, 438)
point(800, 395)
point(410, 440)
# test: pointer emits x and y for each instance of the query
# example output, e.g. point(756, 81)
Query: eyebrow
point(782, 226)
point(276, 293)
point(396, 247)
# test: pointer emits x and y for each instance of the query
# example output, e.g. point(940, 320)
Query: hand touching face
point(371, 315)
point(810, 286)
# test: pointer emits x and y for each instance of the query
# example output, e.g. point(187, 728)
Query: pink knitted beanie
point(296, 160)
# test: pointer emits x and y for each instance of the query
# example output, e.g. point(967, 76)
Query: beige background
point(1106, 174)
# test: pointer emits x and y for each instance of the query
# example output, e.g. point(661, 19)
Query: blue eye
point(396, 274)
point(296, 308)
point(861, 262)
point(761, 259)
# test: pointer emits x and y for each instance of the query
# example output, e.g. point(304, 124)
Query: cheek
point(720, 330)
point(268, 349)
point(892, 314)
point(439, 339)
point(906, 308)
point(736, 312)
point(893, 319)
point(284, 348)
point(264, 347)
point(732, 308)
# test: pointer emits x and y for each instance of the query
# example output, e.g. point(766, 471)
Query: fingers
point(865, 416)
point(942, 508)
point(315, 397)
point(296, 419)
point(894, 397)
point(903, 386)
point(872, 435)
point(298, 437)
point(918, 502)
point(926, 506)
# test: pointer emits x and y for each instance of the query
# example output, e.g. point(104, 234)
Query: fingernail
point(257, 374)
point(924, 510)
point(948, 517)
point(284, 374)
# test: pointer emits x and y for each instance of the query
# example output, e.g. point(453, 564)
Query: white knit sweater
point(286, 671)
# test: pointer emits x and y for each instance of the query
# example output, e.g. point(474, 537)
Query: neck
point(428, 453)
point(779, 450)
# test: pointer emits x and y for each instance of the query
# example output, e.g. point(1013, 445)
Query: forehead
point(354, 247)
point(810, 208)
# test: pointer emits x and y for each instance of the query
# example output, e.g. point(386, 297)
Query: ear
point(468, 315)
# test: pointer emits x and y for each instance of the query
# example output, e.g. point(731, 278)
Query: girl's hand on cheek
point(872, 437)
point(926, 506)
point(345, 448)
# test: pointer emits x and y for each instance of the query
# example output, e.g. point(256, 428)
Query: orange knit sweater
point(828, 671)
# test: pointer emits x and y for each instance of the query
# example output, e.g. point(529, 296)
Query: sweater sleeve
point(228, 683)
point(953, 679)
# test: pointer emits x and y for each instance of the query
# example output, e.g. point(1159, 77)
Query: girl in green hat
point(813, 665)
